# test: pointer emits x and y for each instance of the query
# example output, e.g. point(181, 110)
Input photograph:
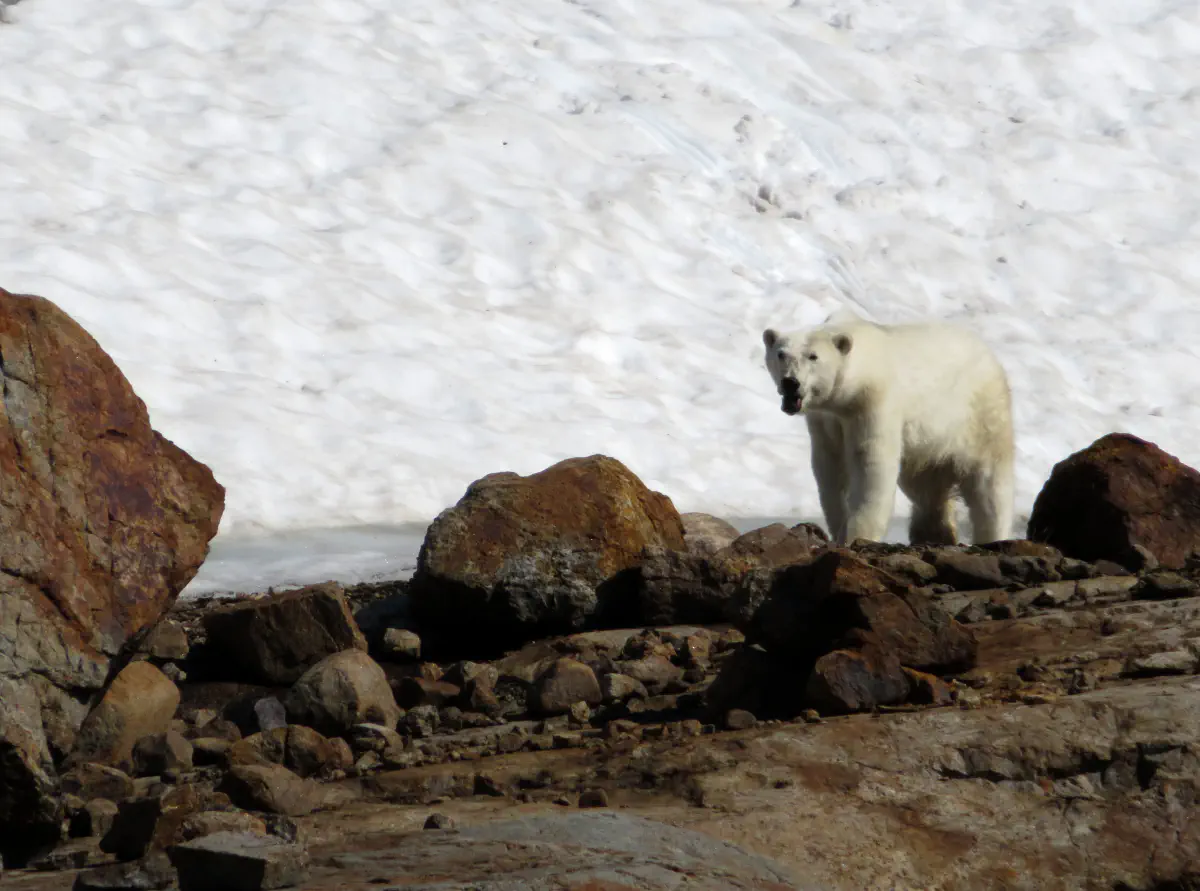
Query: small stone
point(168, 641)
point(616, 687)
point(485, 785)
point(271, 788)
point(438, 821)
point(243, 861)
point(739, 719)
point(374, 738)
point(1164, 586)
point(211, 822)
point(580, 712)
point(811, 716)
point(1170, 662)
point(270, 714)
point(401, 643)
point(153, 755)
point(590, 798)
point(420, 722)
point(565, 682)
point(207, 752)
point(72, 855)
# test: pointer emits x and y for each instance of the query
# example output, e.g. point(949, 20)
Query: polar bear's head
point(807, 366)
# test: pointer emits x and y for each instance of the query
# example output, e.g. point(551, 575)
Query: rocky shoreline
point(580, 688)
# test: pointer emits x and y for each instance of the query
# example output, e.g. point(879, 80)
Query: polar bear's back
point(946, 382)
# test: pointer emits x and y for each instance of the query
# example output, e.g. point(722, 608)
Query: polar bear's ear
point(770, 337)
point(843, 342)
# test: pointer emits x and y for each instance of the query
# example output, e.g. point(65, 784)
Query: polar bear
point(925, 406)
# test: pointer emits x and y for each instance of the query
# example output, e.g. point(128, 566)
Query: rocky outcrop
point(104, 521)
point(523, 557)
point(1121, 499)
point(837, 634)
point(276, 638)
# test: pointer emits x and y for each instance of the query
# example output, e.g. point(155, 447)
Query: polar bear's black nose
point(790, 385)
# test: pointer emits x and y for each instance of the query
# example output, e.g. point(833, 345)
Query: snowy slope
point(355, 253)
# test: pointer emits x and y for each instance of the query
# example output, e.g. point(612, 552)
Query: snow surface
point(355, 254)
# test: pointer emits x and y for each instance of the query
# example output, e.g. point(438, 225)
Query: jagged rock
point(1117, 496)
point(840, 602)
point(679, 587)
point(654, 671)
point(837, 634)
point(340, 691)
point(968, 572)
point(152, 755)
point(239, 861)
point(524, 557)
point(847, 680)
point(704, 535)
point(141, 701)
point(374, 738)
point(152, 873)
point(438, 821)
point(272, 788)
point(277, 638)
point(168, 640)
point(265, 747)
point(564, 683)
point(619, 687)
point(420, 722)
point(412, 691)
point(211, 822)
point(89, 780)
point(104, 523)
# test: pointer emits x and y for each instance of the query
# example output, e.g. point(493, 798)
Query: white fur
point(924, 406)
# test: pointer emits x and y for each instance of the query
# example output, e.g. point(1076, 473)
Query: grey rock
point(239, 861)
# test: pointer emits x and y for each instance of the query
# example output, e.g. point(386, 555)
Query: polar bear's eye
point(812, 357)
point(781, 355)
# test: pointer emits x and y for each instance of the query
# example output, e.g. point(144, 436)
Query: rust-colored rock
point(1118, 499)
point(523, 557)
point(275, 639)
point(104, 521)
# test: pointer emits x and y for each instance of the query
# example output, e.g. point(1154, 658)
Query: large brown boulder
point(104, 522)
point(275, 639)
point(1118, 499)
point(140, 702)
point(340, 691)
point(525, 557)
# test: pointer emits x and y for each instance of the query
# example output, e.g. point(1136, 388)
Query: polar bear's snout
point(789, 389)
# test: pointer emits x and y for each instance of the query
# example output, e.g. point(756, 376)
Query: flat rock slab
point(239, 861)
point(554, 852)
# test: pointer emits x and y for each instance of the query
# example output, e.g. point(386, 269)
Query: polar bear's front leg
point(873, 451)
point(829, 468)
